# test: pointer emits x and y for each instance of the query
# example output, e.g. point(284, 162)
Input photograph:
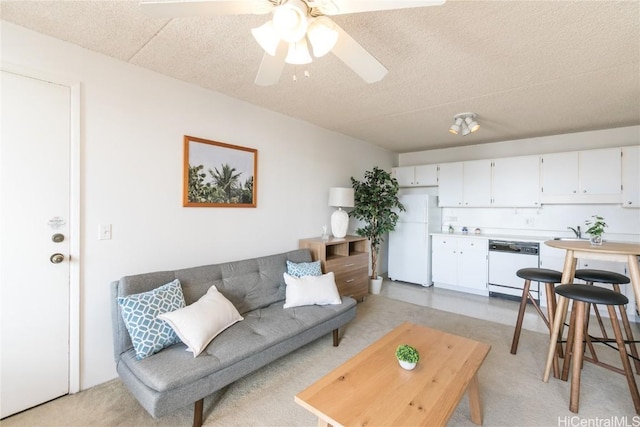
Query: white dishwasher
point(505, 259)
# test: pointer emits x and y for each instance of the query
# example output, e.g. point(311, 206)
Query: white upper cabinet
point(516, 182)
point(450, 182)
point(465, 184)
point(592, 176)
point(509, 182)
point(476, 189)
point(631, 177)
point(416, 176)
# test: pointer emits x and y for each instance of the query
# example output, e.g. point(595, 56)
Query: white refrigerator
point(410, 242)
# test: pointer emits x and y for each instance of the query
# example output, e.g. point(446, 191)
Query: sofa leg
point(197, 413)
point(336, 338)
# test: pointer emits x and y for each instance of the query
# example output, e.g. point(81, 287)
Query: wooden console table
point(347, 258)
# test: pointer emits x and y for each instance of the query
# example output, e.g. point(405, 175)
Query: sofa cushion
point(299, 269)
point(197, 324)
point(150, 334)
point(260, 330)
point(311, 290)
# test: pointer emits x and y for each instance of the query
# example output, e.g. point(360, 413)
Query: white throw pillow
point(311, 290)
point(199, 323)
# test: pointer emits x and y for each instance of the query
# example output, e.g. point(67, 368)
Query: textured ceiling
point(527, 68)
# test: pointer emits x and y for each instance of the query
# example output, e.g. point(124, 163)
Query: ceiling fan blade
point(181, 8)
point(342, 7)
point(357, 58)
point(271, 66)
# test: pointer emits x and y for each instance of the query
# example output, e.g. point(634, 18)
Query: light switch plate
point(104, 231)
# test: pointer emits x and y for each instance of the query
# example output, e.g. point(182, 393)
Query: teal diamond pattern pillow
point(301, 269)
point(140, 313)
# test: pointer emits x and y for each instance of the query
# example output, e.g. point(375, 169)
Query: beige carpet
point(511, 387)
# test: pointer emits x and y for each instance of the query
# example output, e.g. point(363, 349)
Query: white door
point(34, 206)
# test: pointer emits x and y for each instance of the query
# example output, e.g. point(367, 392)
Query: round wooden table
point(608, 251)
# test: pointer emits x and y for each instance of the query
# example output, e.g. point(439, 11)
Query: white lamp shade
point(322, 35)
point(266, 37)
point(339, 223)
point(290, 20)
point(341, 197)
point(298, 53)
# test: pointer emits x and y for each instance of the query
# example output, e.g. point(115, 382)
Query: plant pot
point(595, 240)
point(407, 365)
point(375, 285)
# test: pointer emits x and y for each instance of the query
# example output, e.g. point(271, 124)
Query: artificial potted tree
point(407, 356)
point(596, 229)
point(377, 205)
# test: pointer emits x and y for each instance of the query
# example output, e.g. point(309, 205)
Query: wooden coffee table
point(372, 389)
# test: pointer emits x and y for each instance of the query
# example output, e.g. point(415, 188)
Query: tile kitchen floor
point(493, 309)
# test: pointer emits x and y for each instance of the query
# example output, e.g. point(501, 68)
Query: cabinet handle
point(584, 191)
point(349, 281)
point(350, 265)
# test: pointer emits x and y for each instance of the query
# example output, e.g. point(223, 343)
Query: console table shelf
point(347, 258)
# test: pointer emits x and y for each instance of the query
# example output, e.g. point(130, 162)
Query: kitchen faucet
point(577, 232)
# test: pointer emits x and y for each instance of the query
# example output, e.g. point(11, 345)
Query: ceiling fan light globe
point(266, 37)
point(290, 20)
point(322, 35)
point(298, 53)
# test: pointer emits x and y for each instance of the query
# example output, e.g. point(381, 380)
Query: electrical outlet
point(104, 232)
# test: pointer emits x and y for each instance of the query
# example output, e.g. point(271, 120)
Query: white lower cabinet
point(460, 263)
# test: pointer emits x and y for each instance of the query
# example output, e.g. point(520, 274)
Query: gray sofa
point(173, 378)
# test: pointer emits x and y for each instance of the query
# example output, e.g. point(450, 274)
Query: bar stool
point(549, 278)
point(592, 276)
point(582, 295)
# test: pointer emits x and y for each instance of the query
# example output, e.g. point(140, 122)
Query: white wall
point(549, 220)
point(132, 125)
point(616, 137)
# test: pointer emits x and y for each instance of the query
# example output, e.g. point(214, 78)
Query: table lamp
point(340, 197)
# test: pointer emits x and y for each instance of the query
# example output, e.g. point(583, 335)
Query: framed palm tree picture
point(218, 174)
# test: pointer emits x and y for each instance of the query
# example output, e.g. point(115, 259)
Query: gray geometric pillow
point(300, 269)
point(149, 334)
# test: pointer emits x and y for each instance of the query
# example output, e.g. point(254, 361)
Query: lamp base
point(339, 223)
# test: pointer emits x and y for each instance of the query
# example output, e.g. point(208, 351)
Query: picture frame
point(219, 175)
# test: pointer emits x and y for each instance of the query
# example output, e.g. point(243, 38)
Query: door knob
point(56, 258)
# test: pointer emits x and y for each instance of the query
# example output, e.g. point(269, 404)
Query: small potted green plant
point(596, 229)
point(407, 356)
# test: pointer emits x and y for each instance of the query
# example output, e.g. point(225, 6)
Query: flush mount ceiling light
point(465, 123)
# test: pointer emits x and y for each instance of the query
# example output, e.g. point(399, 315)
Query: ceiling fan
point(294, 25)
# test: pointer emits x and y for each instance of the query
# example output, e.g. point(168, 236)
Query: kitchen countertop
point(492, 236)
